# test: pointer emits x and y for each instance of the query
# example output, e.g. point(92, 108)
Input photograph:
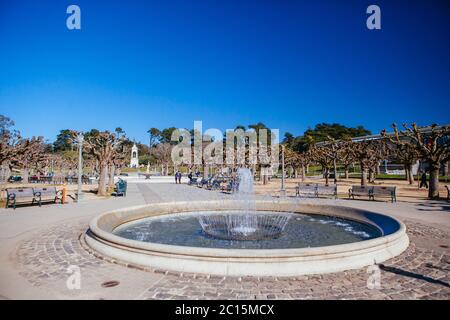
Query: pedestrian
point(176, 177)
point(179, 177)
point(423, 181)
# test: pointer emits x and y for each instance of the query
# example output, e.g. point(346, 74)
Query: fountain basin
point(242, 262)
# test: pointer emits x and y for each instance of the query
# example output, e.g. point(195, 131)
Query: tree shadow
point(413, 275)
point(434, 206)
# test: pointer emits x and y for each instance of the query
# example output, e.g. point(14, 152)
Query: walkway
point(39, 244)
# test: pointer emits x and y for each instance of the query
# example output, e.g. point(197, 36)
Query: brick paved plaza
point(39, 244)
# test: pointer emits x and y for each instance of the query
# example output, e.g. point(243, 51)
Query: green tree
point(166, 135)
point(64, 141)
point(154, 136)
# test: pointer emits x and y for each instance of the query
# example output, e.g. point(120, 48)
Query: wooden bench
point(384, 192)
point(47, 194)
point(327, 191)
point(306, 190)
point(16, 196)
point(360, 191)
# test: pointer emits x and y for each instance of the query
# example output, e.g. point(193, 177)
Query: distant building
point(134, 162)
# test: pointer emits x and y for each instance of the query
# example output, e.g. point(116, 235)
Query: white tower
point(134, 162)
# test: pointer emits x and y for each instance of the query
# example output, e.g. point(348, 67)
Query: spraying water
point(249, 225)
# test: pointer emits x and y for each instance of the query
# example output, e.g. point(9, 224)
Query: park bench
point(327, 191)
point(384, 191)
point(360, 191)
point(16, 196)
point(306, 190)
point(120, 189)
point(47, 194)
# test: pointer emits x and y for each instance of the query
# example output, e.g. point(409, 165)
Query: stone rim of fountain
point(239, 262)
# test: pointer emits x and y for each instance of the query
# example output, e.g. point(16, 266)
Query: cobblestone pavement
point(421, 272)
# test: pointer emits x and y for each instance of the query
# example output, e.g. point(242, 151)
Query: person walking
point(423, 181)
point(179, 177)
point(176, 177)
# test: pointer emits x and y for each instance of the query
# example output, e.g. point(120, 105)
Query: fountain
point(248, 225)
point(246, 235)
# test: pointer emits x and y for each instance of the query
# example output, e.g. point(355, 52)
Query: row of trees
point(328, 145)
point(104, 153)
point(429, 144)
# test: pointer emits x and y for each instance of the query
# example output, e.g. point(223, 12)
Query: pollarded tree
point(291, 159)
point(162, 152)
point(333, 146)
point(346, 155)
point(433, 146)
point(303, 160)
point(406, 154)
point(118, 161)
point(103, 146)
point(324, 156)
point(31, 155)
point(369, 153)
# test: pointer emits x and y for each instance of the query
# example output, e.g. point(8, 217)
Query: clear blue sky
point(290, 64)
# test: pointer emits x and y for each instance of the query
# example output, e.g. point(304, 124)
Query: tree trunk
point(112, 171)
point(335, 170)
point(264, 172)
point(371, 175)
point(346, 172)
point(433, 191)
point(303, 173)
point(102, 180)
point(363, 176)
point(25, 175)
point(326, 176)
point(409, 173)
point(307, 168)
point(295, 173)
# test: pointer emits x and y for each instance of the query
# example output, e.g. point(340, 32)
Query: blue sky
point(290, 64)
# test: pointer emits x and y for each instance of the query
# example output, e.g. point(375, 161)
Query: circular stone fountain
point(279, 238)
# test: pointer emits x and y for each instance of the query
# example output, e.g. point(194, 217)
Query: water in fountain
point(248, 225)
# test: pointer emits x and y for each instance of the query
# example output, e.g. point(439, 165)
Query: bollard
point(63, 196)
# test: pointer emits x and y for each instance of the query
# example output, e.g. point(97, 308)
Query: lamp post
point(282, 190)
point(80, 139)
